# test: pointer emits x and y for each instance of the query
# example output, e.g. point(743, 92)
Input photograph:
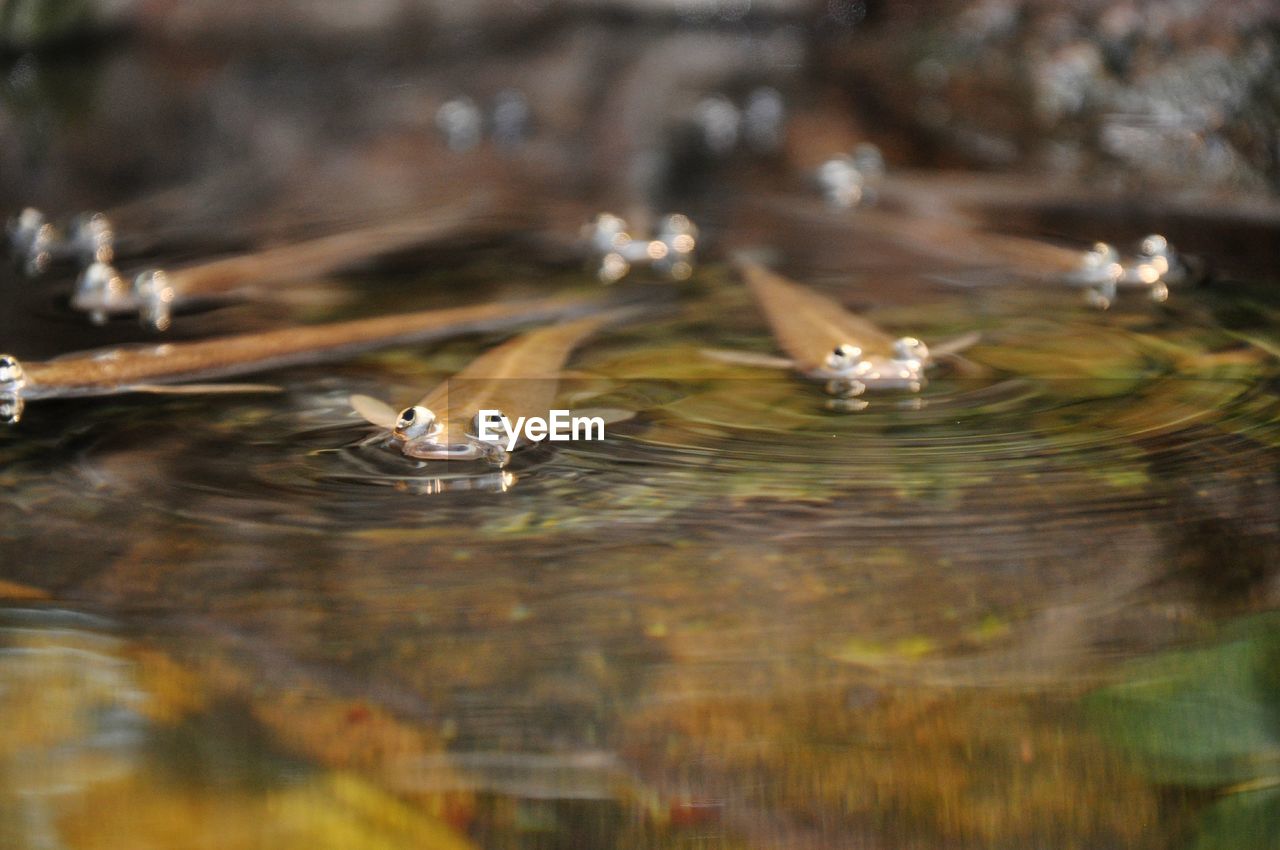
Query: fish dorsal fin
point(375, 412)
point(807, 324)
point(539, 353)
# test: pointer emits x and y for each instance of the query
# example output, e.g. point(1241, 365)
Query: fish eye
point(843, 356)
point(910, 348)
point(413, 422)
point(494, 422)
point(1155, 245)
point(10, 369)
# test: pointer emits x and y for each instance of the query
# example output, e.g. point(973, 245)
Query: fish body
point(324, 255)
point(939, 232)
point(827, 342)
point(134, 368)
point(101, 291)
point(518, 378)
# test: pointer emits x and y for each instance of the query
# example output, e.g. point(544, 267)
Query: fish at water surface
point(267, 274)
point(170, 366)
point(824, 341)
point(519, 378)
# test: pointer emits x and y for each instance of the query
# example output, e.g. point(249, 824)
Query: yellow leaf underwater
point(336, 811)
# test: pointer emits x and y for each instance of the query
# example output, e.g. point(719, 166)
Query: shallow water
point(1018, 610)
point(743, 619)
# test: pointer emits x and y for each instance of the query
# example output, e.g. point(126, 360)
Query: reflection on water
point(71, 709)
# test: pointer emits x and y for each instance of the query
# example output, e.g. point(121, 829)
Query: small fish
point(1099, 271)
point(937, 232)
point(826, 342)
point(157, 368)
point(518, 378)
point(101, 291)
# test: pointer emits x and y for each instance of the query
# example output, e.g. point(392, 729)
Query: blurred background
point(106, 100)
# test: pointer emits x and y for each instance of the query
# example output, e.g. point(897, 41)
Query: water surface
point(743, 619)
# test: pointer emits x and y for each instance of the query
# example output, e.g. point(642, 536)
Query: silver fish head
point(101, 291)
point(1158, 266)
point(92, 238)
point(12, 375)
point(849, 372)
point(155, 297)
point(908, 348)
point(423, 436)
point(843, 358)
point(414, 423)
point(32, 240)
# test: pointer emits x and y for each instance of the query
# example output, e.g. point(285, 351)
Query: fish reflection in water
point(425, 480)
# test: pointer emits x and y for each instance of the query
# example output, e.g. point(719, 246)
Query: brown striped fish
point(824, 341)
point(157, 368)
point(101, 291)
point(519, 379)
point(936, 230)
